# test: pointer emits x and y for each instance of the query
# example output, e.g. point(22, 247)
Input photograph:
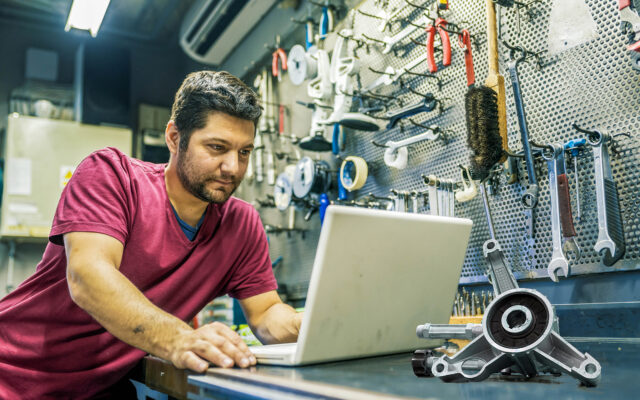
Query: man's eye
point(245, 153)
point(216, 147)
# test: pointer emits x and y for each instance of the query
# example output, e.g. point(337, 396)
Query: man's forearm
point(279, 324)
point(112, 300)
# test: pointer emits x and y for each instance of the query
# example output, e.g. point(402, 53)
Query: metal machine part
point(559, 194)
point(311, 177)
point(610, 244)
point(517, 333)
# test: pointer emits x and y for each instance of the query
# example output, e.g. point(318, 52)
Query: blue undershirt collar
point(189, 231)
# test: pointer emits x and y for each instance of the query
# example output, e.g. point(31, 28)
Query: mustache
point(223, 178)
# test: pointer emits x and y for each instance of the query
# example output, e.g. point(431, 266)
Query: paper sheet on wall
point(19, 176)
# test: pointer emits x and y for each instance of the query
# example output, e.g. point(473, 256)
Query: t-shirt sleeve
point(253, 275)
point(96, 199)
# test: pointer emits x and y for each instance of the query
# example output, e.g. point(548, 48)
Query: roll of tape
point(353, 173)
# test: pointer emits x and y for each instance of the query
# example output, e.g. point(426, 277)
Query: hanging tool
point(500, 274)
point(562, 230)
point(326, 21)
point(396, 153)
point(278, 61)
point(469, 190)
point(283, 189)
point(464, 41)
point(494, 80)
point(427, 104)
point(530, 196)
point(610, 244)
point(311, 177)
point(391, 41)
point(439, 26)
point(630, 25)
point(573, 147)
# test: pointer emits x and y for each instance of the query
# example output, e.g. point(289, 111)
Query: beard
point(202, 185)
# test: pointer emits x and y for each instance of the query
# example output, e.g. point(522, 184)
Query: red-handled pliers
point(276, 70)
point(464, 41)
point(446, 45)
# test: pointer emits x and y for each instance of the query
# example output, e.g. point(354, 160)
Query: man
point(137, 248)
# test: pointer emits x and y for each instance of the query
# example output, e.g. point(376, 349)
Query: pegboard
point(592, 85)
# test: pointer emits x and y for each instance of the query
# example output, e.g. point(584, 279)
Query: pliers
point(440, 26)
point(278, 67)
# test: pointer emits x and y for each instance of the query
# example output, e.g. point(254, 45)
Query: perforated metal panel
point(592, 85)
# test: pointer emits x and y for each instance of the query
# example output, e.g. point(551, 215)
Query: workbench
point(389, 377)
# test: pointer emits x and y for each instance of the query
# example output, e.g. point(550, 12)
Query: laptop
point(377, 275)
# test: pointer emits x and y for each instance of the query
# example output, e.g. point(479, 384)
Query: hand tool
point(494, 80)
point(573, 147)
point(396, 153)
point(469, 190)
point(271, 168)
point(326, 21)
point(630, 24)
point(386, 18)
point(391, 75)
point(610, 244)
point(561, 220)
point(392, 41)
point(427, 104)
point(401, 200)
point(500, 274)
point(431, 29)
point(432, 182)
point(278, 61)
point(530, 196)
point(464, 41)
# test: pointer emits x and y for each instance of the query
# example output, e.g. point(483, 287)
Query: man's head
point(215, 116)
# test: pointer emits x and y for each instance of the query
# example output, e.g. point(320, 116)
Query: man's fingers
point(233, 337)
point(209, 351)
point(193, 362)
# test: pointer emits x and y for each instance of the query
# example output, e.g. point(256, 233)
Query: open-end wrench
point(610, 242)
point(559, 262)
point(428, 103)
point(391, 75)
point(391, 41)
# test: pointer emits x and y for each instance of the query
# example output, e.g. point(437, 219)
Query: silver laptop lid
point(377, 275)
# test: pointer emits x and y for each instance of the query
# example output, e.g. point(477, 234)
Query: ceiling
point(140, 20)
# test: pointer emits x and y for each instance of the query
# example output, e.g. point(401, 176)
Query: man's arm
point(270, 319)
point(97, 286)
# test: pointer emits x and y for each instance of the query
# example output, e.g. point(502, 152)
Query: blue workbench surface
point(393, 375)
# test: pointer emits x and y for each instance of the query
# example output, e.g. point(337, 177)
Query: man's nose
point(230, 163)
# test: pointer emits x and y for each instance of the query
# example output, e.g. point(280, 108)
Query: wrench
point(391, 75)
point(558, 261)
point(391, 41)
point(425, 105)
point(610, 244)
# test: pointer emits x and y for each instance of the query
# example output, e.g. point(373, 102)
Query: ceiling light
point(87, 15)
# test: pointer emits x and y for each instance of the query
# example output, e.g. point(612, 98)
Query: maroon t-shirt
point(51, 348)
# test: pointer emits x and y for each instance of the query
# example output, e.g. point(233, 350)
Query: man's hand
point(215, 343)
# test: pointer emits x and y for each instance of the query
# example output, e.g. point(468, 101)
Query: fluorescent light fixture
point(87, 15)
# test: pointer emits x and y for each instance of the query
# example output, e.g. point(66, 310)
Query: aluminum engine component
point(517, 334)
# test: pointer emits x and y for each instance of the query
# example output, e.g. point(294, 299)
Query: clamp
point(440, 26)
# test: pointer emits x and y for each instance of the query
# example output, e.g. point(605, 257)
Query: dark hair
point(204, 92)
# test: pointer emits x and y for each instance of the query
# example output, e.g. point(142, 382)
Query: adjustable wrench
point(610, 242)
point(560, 225)
point(425, 105)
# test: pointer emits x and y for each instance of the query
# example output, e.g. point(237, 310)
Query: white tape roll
point(353, 173)
point(396, 157)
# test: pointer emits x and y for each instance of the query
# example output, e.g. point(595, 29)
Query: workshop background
point(578, 71)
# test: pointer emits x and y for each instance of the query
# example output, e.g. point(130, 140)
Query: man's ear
point(172, 137)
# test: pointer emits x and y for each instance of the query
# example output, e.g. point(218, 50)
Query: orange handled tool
point(446, 45)
point(278, 63)
point(464, 41)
